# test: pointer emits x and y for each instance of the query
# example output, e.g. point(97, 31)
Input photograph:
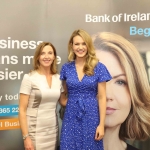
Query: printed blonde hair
point(36, 63)
point(136, 126)
point(91, 60)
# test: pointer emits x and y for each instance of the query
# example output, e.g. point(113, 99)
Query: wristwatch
point(25, 136)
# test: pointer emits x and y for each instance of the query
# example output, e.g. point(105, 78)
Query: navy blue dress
point(81, 116)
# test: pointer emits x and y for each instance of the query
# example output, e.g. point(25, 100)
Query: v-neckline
point(50, 87)
point(77, 74)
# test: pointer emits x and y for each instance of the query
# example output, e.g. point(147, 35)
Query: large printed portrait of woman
point(128, 93)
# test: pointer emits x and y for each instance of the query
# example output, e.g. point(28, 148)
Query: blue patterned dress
point(82, 113)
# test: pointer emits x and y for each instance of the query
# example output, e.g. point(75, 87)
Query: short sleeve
point(103, 73)
point(63, 73)
point(25, 87)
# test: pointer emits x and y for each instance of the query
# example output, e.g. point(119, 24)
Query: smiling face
point(117, 92)
point(79, 47)
point(46, 56)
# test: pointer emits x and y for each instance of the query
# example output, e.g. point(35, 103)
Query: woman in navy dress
point(84, 81)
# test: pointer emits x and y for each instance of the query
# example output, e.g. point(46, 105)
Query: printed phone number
point(9, 110)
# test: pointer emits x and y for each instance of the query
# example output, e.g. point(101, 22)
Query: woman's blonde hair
point(136, 126)
point(91, 60)
point(36, 63)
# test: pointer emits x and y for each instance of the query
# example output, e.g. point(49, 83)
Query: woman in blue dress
point(84, 81)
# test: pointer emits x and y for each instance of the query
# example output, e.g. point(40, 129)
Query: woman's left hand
point(99, 132)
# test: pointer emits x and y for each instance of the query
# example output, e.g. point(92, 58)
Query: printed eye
point(84, 43)
point(121, 82)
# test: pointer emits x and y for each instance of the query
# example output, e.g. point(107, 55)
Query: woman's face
point(79, 47)
point(117, 92)
point(46, 56)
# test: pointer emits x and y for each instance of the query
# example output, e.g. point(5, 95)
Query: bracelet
point(25, 136)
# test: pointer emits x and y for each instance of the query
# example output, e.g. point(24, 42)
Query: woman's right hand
point(28, 144)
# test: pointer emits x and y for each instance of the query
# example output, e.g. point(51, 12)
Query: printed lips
point(110, 110)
